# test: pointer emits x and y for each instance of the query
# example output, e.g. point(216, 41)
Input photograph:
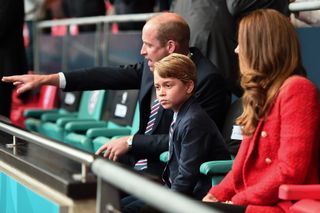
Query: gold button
point(264, 134)
point(268, 161)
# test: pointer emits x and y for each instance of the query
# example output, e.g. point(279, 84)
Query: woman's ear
point(171, 46)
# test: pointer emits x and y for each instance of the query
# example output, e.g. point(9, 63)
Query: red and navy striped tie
point(152, 118)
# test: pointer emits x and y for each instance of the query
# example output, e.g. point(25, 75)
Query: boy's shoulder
point(196, 116)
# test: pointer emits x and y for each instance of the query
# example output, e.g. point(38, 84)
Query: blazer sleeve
point(194, 146)
point(238, 7)
point(115, 78)
point(150, 146)
point(299, 111)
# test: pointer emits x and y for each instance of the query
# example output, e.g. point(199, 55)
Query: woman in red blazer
point(280, 122)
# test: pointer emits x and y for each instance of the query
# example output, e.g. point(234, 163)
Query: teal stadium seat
point(91, 106)
point(121, 117)
point(100, 136)
point(218, 169)
point(69, 103)
point(310, 45)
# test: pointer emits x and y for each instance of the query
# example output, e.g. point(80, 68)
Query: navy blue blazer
point(195, 140)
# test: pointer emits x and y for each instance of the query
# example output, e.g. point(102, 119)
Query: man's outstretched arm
point(31, 81)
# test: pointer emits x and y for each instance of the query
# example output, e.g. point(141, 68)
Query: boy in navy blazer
point(193, 138)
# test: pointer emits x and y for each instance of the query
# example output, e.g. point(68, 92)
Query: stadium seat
point(103, 137)
point(218, 169)
point(119, 117)
point(91, 106)
point(307, 197)
point(69, 103)
point(48, 99)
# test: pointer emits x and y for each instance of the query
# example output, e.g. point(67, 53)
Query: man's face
point(152, 49)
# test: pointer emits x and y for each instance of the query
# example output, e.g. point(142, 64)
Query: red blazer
point(283, 150)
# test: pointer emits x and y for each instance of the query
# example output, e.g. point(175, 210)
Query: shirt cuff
point(62, 80)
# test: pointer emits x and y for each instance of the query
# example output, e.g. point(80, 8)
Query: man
point(162, 35)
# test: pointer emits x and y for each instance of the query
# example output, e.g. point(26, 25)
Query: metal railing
point(304, 6)
point(112, 178)
point(102, 28)
point(151, 193)
point(96, 20)
point(79, 156)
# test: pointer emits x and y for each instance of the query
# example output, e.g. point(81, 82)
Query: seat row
point(103, 115)
point(100, 116)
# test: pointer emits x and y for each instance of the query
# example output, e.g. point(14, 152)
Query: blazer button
point(264, 134)
point(268, 161)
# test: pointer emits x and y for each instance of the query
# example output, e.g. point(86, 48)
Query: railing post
point(107, 198)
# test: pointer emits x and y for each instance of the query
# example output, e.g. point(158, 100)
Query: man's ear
point(171, 46)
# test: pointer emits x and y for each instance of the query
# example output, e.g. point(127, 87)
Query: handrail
point(304, 6)
point(96, 19)
point(152, 193)
point(69, 152)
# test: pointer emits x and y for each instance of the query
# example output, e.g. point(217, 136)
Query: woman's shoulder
point(298, 83)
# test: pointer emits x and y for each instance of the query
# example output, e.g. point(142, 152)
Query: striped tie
point(152, 118)
point(165, 174)
point(171, 132)
point(143, 163)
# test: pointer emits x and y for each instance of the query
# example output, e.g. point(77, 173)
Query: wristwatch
point(129, 141)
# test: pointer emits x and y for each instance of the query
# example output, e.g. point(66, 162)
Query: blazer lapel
point(146, 82)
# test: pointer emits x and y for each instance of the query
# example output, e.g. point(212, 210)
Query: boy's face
point(171, 92)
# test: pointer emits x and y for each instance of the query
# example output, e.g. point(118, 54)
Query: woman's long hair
point(269, 53)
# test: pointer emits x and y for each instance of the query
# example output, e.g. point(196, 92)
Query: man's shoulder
point(203, 64)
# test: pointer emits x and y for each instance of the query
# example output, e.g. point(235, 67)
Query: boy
point(193, 138)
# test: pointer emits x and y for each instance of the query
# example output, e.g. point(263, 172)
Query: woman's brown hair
point(269, 53)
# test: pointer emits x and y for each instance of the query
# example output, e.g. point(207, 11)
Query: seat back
point(218, 169)
point(122, 108)
point(309, 43)
point(48, 97)
point(126, 119)
point(91, 104)
point(136, 120)
point(70, 101)
point(234, 112)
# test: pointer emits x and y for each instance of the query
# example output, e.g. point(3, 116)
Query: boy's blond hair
point(177, 66)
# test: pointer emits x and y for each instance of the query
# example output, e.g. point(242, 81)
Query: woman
point(280, 122)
